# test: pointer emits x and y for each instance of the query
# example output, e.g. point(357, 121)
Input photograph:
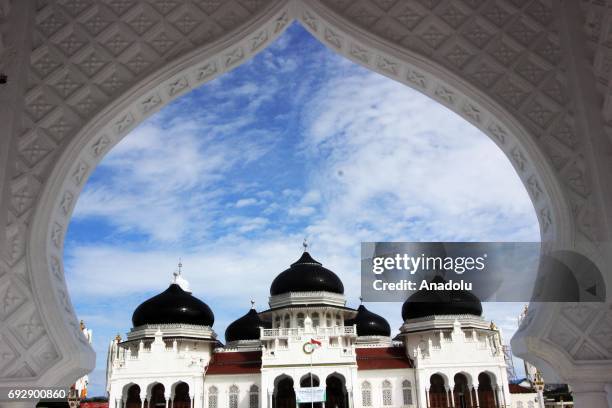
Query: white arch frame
point(94, 140)
point(126, 388)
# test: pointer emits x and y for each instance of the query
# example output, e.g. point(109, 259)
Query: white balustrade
point(269, 334)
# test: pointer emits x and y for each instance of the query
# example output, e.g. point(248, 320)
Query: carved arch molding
point(531, 74)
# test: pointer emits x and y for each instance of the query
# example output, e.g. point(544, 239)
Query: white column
point(496, 395)
point(541, 399)
point(589, 395)
point(476, 397)
point(350, 399)
point(167, 398)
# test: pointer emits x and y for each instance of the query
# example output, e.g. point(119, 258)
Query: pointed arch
point(70, 162)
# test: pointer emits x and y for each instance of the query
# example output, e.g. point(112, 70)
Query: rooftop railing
point(315, 331)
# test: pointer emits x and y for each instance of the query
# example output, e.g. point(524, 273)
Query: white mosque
point(309, 349)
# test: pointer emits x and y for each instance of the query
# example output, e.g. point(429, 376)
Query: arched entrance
point(181, 396)
point(438, 398)
point(284, 393)
point(336, 395)
point(486, 396)
point(461, 392)
point(133, 397)
point(310, 380)
point(157, 398)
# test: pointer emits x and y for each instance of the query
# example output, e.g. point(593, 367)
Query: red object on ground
point(518, 389)
point(240, 362)
point(313, 341)
point(86, 404)
point(380, 358)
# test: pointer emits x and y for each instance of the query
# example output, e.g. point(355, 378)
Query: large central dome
point(174, 305)
point(435, 303)
point(306, 275)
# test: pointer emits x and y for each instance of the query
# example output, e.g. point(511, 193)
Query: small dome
point(430, 302)
point(369, 324)
point(174, 305)
point(246, 327)
point(306, 275)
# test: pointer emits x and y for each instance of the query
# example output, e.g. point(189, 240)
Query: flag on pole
point(315, 342)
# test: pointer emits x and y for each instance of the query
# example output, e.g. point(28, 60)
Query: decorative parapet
point(443, 322)
point(301, 298)
point(443, 343)
point(298, 332)
point(172, 330)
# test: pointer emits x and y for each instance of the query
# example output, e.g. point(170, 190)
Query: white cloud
point(168, 182)
point(396, 164)
point(246, 202)
point(302, 211)
point(311, 197)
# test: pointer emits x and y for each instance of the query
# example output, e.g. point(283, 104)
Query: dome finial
point(252, 304)
point(178, 278)
point(361, 300)
point(305, 244)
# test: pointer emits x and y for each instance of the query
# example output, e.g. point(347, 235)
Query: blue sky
point(298, 142)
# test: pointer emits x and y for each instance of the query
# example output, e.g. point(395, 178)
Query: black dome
point(430, 302)
point(246, 327)
point(173, 305)
point(369, 324)
point(306, 275)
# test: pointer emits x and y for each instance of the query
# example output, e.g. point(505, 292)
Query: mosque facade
point(308, 349)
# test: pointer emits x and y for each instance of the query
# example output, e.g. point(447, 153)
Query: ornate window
point(277, 322)
point(328, 320)
point(387, 393)
point(338, 320)
point(300, 320)
point(407, 392)
point(254, 396)
point(287, 321)
point(212, 397)
point(315, 320)
point(233, 397)
point(366, 394)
